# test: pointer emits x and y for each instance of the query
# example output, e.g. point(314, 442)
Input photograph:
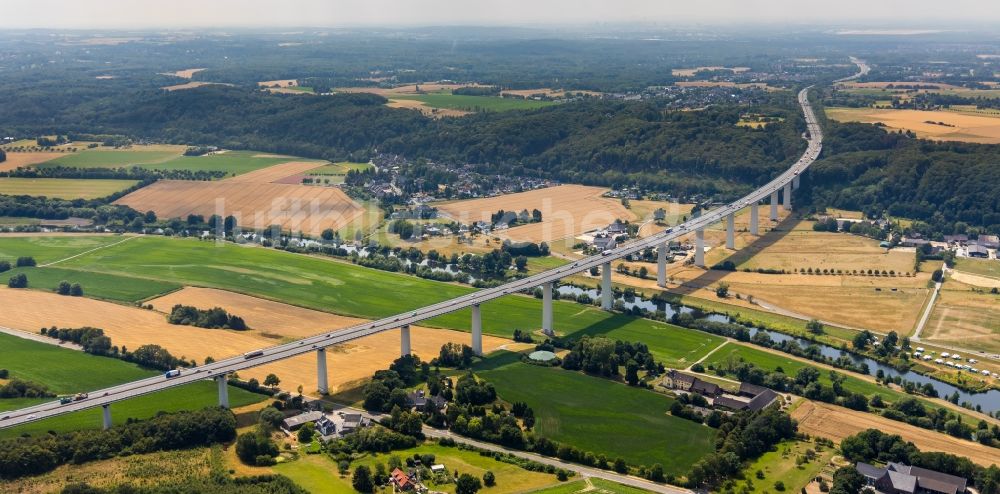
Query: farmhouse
point(678, 380)
point(294, 423)
point(897, 478)
point(419, 400)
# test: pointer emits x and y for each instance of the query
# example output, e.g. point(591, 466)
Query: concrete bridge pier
point(404, 340)
point(774, 206)
point(787, 197)
point(477, 330)
point(755, 219)
point(607, 295)
point(322, 382)
point(795, 182)
point(107, 416)
point(661, 265)
point(223, 390)
point(699, 247)
point(731, 231)
point(547, 309)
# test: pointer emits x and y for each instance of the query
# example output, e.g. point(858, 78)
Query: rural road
point(39, 338)
point(927, 312)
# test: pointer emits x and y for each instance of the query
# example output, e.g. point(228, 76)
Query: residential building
point(402, 480)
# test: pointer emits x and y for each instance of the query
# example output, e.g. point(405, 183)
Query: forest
point(944, 185)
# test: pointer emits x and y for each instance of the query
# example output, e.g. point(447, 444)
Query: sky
point(125, 14)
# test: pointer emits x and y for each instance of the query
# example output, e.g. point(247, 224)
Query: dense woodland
point(944, 185)
point(597, 142)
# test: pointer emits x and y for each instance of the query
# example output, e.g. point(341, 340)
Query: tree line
point(39, 454)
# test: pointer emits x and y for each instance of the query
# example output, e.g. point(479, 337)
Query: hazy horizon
point(179, 14)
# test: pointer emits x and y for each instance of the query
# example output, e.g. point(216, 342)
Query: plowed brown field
point(271, 323)
point(567, 210)
point(836, 423)
point(255, 205)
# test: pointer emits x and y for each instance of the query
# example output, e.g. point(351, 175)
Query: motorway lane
point(306, 345)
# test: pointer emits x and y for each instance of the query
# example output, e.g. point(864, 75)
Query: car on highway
point(172, 373)
point(606, 253)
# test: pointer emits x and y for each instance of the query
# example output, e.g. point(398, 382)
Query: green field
point(95, 158)
point(97, 285)
point(347, 289)
point(231, 162)
point(318, 473)
point(590, 485)
point(771, 361)
point(982, 267)
point(51, 248)
point(600, 415)
point(66, 371)
point(62, 188)
point(450, 101)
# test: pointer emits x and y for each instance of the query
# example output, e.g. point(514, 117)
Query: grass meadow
point(62, 188)
point(51, 248)
point(110, 159)
point(102, 286)
point(318, 473)
point(600, 415)
point(346, 289)
point(66, 371)
point(231, 162)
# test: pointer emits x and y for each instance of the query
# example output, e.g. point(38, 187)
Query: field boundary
point(87, 252)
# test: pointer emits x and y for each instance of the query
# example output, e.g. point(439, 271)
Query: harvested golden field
point(271, 323)
point(974, 279)
point(693, 71)
point(273, 174)
point(548, 92)
point(836, 423)
point(183, 74)
point(567, 210)
point(279, 83)
point(965, 318)
point(255, 205)
point(857, 307)
point(803, 248)
point(938, 125)
point(15, 160)
point(421, 106)
point(192, 85)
